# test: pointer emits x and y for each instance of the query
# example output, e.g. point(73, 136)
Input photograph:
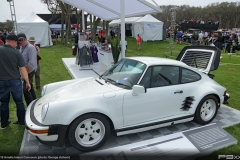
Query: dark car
point(192, 33)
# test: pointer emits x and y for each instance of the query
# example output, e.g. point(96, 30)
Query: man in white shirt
point(200, 37)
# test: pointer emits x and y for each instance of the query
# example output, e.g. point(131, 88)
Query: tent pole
point(83, 21)
point(49, 35)
point(123, 45)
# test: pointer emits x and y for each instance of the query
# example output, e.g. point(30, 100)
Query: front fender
point(65, 112)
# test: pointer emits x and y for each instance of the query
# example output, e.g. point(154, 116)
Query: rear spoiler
point(200, 56)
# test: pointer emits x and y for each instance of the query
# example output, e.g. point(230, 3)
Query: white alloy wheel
point(208, 110)
point(90, 132)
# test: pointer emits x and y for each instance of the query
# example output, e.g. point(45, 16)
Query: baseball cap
point(12, 37)
point(21, 35)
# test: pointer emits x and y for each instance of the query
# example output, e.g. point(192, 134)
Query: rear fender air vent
point(187, 103)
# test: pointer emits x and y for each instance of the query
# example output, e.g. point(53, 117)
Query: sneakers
point(38, 88)
point(5, 126)
point(18, 123)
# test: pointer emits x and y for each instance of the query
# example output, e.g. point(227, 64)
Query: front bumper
point(226, 97)
point(56, 132)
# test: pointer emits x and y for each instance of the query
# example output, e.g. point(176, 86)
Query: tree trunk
point(78, 16)
point(107, 26)
point(91, 24)
point(62, 29)
point(95, 24)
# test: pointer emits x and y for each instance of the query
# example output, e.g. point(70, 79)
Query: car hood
point(81, 89)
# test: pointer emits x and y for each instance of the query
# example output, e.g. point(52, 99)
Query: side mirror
point(138, 89)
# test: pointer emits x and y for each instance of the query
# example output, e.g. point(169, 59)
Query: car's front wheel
point(89, 132)
point(206, 110)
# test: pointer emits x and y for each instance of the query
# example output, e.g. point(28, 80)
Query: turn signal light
point(39, 131)
point(225, 93)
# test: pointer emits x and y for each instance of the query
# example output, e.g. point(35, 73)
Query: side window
point(158, 76)
point(146, 78)
point(164, 76)
point(189, 76)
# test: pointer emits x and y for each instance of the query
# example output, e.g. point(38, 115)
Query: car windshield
point(125, 73)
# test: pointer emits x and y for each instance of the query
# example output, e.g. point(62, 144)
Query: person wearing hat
point(37, 73)
point(2, 37)
point(11, 64)
point(29, 54)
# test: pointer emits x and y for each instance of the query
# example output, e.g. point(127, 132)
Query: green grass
point(53, 70)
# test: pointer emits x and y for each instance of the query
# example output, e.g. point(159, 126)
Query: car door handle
point(178, 92)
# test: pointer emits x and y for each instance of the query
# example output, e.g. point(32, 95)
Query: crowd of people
point(18, 67)
point(222, 40)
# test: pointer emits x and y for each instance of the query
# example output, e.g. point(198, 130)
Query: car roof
point(156, 61)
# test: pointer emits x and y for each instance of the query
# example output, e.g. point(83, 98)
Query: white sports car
point(135, 95)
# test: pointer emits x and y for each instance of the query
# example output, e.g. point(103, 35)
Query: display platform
point(30, 146)
point(197, 142)
point(76, 72)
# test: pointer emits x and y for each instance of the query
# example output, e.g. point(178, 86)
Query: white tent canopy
point(57, 27)
point(33, 26)
point(110, 9)
point(149, 28)
point(127, 20)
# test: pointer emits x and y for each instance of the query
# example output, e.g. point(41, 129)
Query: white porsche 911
point(135, 95)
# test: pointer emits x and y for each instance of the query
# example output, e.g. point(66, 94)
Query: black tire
point(78, 140)
point(207, 99)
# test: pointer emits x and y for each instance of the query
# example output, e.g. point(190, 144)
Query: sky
point(25, 7)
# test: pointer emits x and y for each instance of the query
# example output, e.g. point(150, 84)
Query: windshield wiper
point(121, 84)
point(116, 83)
point(110, 80)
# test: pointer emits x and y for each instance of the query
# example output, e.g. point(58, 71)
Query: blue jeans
point(15, 88)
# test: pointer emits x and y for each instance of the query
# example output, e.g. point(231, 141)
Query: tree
point(8, 25)
point(56, 7)
point(227, 13)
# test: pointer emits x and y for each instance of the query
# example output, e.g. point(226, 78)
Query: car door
point(162, 99)
point(205, 58)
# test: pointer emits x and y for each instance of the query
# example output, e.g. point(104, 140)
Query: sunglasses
point(21, 39)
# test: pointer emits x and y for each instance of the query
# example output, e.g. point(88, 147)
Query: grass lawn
point(53, 70)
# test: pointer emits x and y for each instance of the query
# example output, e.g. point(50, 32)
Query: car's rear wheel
point(206, 110)
point(89, 132)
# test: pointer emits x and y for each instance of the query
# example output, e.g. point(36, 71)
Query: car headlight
point(44, 111)
point(44, 90)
